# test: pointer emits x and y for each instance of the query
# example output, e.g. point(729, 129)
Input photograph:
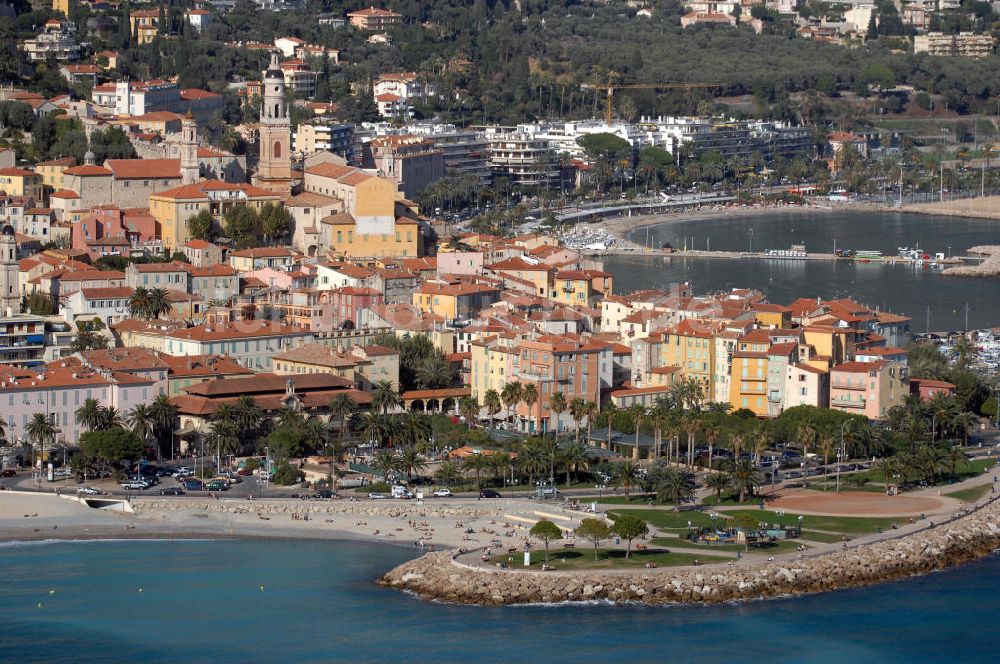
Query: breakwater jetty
point(438, 576)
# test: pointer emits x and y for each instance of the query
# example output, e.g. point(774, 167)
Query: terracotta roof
point(18, 172)
point(85, 171)
point(120, 292)
point(198, 244)
point(63, 161)
point(145, 169)
point(859, 367)
point(198, 190)
point(263, 252)
point(218, 270)
point(330, 170)
point(125, 359)
point(238, 330)
point(182, 366)
point(266, 382)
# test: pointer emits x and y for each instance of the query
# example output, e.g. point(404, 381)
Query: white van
point(400, 491)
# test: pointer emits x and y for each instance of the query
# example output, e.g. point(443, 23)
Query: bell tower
point(190, 171)
point(274, 167)
point(10, 295)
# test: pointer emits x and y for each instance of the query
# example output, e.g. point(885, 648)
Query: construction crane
point(611, 86)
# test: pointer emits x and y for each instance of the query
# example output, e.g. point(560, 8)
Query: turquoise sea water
point(201, 601)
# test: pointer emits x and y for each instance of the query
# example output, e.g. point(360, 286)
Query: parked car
point(134, 485)
point(401, 492)
point(377, 496)
point(194, 485)
point(89, 491)
point(243, 472)
point(217, 485)
point(9, 472)
point(489, 493)
point(443, 493)
point(172, 491)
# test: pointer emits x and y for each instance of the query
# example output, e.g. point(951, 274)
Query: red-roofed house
point(868, 388)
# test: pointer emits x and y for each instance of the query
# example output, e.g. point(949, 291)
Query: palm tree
point(411, 462)
point(712, 434)
point(576, 409)
point(109, 418)
point(692, 425)
point(623, 474)
point(448, 474)
point(500, 462)
point(574, 457)
point(529, 396)
point(385, 397)
point(760, 444)
point(141, 421)
point(532, 458)
point(88, 414)
point(224, 437)
point(138, 303)
point(638, 413)
point(557, 404)
point(491, 402)
point(718, 482)
point(806, 436)
point(373, 428)
point(342, 407)
point(468, 407)
point(826, 449)
point(609, 413)
point(888, 467)
point(477, 463)
point(416, 428)
point(590, 411)
point(40, 430)
point(164, 415)
point(746, 478)
point(247, 414)
point(159, 303)
point(675, 487)
point(434, 372)
point(955, 456)
point(385, 462)
point(511, 396)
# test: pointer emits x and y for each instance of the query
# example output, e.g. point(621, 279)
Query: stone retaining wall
point(390, 508)
point(437, 576)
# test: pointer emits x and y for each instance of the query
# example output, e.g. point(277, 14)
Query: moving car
point(401, 492)
point(172, 491)
point(377, 496)
point(89, 491)
point(488, 493)
point(134, 485)
point(217, 485)
point(9, 472)
point(443, 493)
point(194, 485)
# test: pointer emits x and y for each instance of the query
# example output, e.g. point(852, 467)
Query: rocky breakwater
point(990, 267)
point(393, 509)
point(438, 576)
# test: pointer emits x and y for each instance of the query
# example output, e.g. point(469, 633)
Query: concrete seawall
point(437, 576)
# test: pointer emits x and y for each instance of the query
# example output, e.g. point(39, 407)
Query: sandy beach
point(441, 523)
point(986, 208)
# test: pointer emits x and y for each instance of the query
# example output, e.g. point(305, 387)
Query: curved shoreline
point(437, 576)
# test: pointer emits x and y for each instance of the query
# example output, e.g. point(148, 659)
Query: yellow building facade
point(173, 208)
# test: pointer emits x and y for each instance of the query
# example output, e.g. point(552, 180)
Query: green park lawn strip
point(971, 494)
point(583, 558)
point(667, 519)
point(770, 548)
point(813, 536)
point(852, 525)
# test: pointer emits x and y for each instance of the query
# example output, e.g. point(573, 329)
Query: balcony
point(860, 387)
point(847, 403)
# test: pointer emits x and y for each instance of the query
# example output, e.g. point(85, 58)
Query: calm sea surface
point(202, 601)
point(897, 288)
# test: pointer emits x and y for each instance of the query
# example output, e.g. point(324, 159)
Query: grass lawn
point(725, 501)
point(634, 499)
point(770, 548)
point(971, 494)
point(838, 524)
point(606, 558)
point(668, 519)
point(812, 536)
